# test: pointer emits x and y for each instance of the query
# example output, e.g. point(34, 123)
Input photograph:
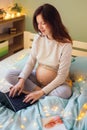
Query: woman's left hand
point(34, 96)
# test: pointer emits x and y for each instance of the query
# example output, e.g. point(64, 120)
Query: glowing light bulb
point(12, 15)
point(18, 14)
point(22, 126)
point(7, 16)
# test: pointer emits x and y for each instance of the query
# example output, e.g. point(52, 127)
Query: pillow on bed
point(78, 69)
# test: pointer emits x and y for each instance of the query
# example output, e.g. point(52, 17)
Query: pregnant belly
point(45, 75)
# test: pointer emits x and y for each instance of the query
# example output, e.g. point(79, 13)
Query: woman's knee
point(8, 75)
point(12, 76)
point(63, 91)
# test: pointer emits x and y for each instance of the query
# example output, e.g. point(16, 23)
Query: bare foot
point(36, 88)
point(25, 92)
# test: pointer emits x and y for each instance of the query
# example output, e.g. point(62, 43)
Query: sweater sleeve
point(63, 69)
point(30, 62)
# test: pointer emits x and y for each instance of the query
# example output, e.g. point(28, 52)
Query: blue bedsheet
point(73, 111)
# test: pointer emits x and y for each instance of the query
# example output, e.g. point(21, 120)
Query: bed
point(72, 111)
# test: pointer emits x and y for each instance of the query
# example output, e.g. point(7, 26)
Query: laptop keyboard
point(17, 101)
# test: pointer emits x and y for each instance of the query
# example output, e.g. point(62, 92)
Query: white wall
point(5, 3)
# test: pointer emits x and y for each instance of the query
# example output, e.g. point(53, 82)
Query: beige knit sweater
point(50, 53)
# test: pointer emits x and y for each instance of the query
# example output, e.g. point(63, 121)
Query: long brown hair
point(52, 17)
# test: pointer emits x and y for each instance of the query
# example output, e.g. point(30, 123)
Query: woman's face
point(43, 26)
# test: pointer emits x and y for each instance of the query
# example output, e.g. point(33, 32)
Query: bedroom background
point(73, 111)
point(73, 14)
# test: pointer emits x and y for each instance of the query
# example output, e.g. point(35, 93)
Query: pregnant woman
point(51, 51)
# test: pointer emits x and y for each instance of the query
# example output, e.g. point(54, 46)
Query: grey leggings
point(63, 91)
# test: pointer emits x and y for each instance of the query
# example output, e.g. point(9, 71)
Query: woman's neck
point(50, 37)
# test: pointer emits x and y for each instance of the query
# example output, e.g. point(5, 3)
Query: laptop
point(14, 103)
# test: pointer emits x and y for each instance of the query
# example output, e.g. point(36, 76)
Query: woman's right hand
point(18, 88)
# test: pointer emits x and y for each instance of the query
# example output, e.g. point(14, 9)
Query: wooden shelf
point(7, 36)
point(2, 21)
point(17, 39)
